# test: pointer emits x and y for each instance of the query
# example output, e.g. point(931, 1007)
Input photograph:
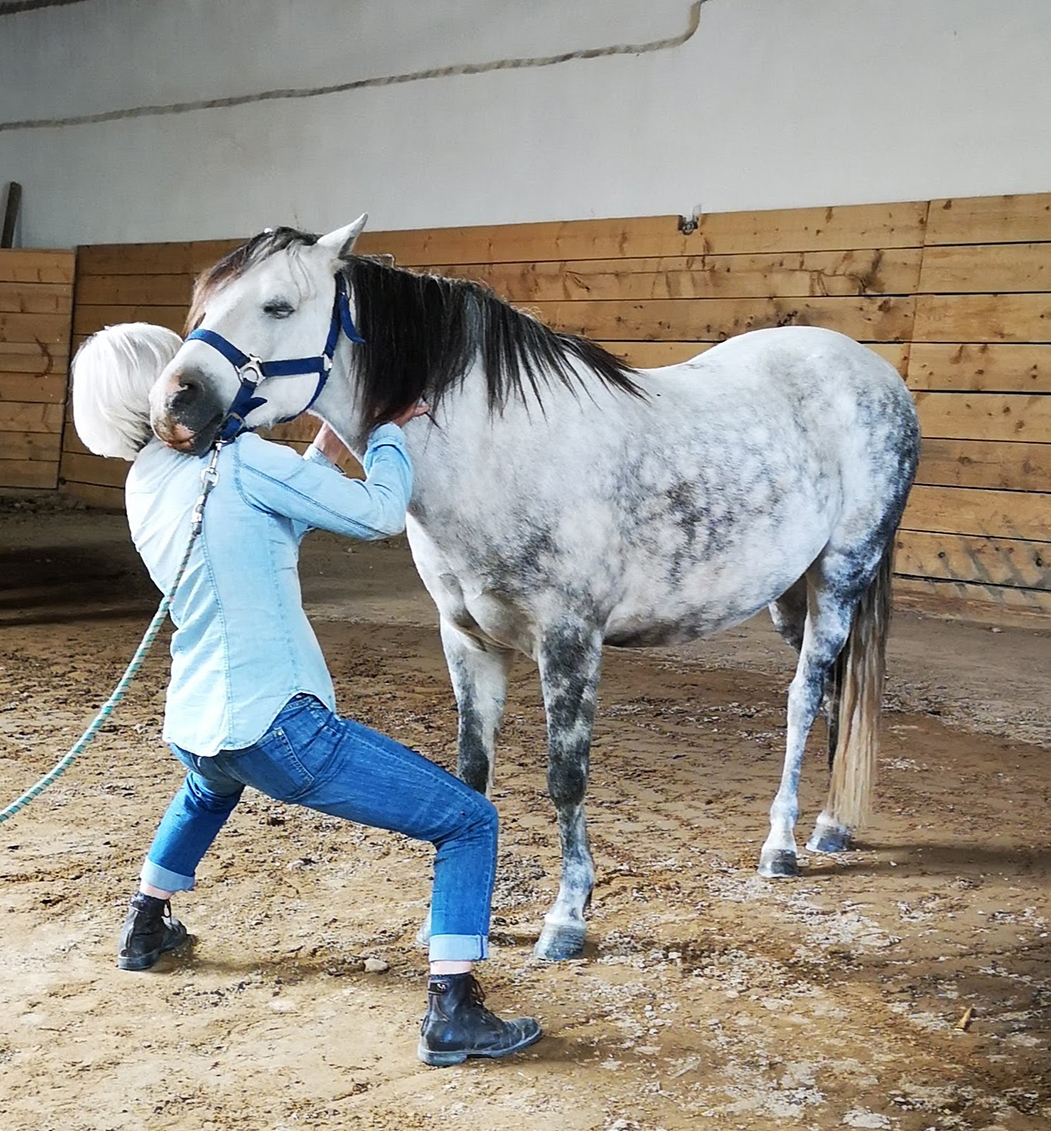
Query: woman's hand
point(418, 409)
point(329, 444)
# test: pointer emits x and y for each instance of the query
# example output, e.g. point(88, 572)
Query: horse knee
point(473, 767)
point(567, 780)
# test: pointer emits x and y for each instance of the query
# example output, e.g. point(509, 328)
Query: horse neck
point(458, 424)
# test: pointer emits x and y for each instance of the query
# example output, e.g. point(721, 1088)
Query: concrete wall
point(770, 103)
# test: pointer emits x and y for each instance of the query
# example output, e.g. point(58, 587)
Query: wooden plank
point(30, 445)
point(897, 353)
point(991, 604)
point(985, 416)
point(984, 268)
point(151, 258)
point(847, 228)
point(963, 510)
point(50, 389)
point(89, 319)
point(33, 357)
point(796, 274)
point(303, 429)
point(985, 463)
point(990, 219)
point(983, 367)
point(28, 473)
point(71, 442)
point(95, 470)
point(135, 290)
point(51, 329)
point(105, 498)
point(17, 416)
point(987, 561)
point(983, 318)
point(36, 265)
point(653, 355)
point(36, 298)
point(867, 319)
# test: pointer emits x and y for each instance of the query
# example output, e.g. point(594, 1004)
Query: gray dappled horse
point(564, 501)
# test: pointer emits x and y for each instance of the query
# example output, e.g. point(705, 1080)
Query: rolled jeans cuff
point(458, 948)
point(163, 878)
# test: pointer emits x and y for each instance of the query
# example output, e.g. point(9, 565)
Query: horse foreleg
point(479, 677)
point(570, 659)
point(824, 634)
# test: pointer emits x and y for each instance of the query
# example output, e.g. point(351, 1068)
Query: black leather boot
point(148, 931)
point(458, 1025)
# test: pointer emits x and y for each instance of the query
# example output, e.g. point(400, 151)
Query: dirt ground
point(707, 997)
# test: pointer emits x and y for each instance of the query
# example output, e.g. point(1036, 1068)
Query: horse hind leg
point(570, 659)
point(826, 628)
point(479, 677)
point(854, 733)
point(788, 614)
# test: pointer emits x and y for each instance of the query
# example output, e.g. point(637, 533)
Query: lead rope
point(209, 478)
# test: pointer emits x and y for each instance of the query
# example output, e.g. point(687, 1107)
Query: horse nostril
point(186, 394)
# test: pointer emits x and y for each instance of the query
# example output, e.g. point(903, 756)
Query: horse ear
point(341, 241)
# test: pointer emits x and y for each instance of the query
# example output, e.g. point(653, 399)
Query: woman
point(251, 701)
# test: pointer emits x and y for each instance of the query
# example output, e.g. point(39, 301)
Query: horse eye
point(278, 308)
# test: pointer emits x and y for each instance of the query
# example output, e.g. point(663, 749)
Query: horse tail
point(856, 698)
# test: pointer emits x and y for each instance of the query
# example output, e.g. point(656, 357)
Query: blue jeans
point(311, 757)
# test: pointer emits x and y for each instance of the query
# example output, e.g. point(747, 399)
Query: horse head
point(258, 346)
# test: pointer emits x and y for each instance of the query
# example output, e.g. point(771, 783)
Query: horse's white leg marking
point(570, 658)
point(826, 630)
point(479, 678)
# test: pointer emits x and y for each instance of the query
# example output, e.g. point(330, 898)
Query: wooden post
point(14, 202)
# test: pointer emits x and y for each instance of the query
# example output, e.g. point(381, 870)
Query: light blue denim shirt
point(242, 645)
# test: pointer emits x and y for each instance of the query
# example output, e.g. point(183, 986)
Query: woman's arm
point(310, 493)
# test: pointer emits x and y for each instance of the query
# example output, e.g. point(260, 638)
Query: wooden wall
point(36, 302)
point(955, 293)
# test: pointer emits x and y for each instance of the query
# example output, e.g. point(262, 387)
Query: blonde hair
point(113, 373)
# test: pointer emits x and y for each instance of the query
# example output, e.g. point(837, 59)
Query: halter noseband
point(252, 371)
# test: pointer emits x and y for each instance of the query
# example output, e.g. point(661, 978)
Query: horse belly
point(690, 592)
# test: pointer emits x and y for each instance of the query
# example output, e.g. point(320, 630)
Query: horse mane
point(424, 332)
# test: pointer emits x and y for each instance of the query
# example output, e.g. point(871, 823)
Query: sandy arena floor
point(707, 998)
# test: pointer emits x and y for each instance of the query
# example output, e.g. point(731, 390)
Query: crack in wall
point(14, 7)
point(357, 84)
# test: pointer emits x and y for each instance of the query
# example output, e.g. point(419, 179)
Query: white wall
point(772, 103)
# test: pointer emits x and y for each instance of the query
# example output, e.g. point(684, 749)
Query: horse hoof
point(778, 865)
point(829, 839)
point(557, 944)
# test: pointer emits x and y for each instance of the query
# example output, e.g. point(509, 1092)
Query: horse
point(564, 500)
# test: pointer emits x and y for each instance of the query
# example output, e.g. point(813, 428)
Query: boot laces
point(475, 993)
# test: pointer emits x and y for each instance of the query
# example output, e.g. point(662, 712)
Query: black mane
point(424, 332)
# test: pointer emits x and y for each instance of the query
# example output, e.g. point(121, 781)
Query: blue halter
point(252, 371)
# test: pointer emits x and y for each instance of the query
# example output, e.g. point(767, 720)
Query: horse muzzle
point(184, 412)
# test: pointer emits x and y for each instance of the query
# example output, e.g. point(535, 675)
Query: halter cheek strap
point(252, 371)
